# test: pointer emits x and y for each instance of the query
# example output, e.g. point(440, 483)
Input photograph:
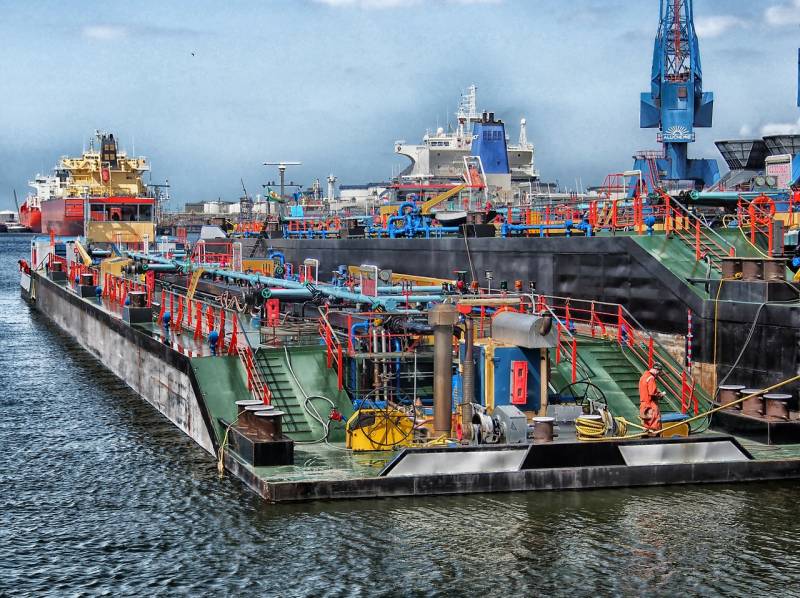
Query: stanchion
point(221, 343)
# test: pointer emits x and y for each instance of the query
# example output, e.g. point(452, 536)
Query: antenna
point(282, 171)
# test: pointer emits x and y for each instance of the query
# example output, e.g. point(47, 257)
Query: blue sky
point(333, 83)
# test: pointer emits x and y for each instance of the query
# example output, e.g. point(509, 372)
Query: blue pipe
point(137, 255)
point(354, 327)
point(272, 254)
point(305, 291)
point(397, 290)
point(407, 204)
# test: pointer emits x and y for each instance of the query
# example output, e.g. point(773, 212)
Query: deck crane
point(676, 102)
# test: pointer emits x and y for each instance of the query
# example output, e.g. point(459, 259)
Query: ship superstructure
point(441, 154)
point(45, 187)
point(103, 184)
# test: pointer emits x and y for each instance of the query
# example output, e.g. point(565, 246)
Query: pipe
point(468, 379)
point(149, 257)
point(734, 196)
point(306, 291)
point(397, 349)
point(397, 290)
point(442, 317)
point(384, 366)
point(376, 382)
point(354, 327)
point(272, 254)
point(159, 267)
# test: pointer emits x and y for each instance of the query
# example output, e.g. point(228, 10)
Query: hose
point(696, 417)
point(596, 429)
point(309, 406)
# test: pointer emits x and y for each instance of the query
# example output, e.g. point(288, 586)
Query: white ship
point(441, 154)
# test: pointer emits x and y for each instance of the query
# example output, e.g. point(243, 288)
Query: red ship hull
point(30, 218)
point(63, 217)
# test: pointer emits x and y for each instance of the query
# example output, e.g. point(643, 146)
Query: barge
point(465, 335)
point(377, 384)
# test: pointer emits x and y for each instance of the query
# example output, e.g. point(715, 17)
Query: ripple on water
point(101, 495)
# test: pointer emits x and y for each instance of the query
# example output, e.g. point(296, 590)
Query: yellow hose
point(596, 429)
point(691, 419)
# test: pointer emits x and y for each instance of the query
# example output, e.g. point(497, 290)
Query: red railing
point(213, 252)
point(333, 349)
point(680, 223)
point(613, 322)
point(756, 220)
point(255, 383)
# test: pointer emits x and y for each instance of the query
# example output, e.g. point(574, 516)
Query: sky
point(209, 90)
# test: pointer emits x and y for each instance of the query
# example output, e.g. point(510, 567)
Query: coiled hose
point(597, 427)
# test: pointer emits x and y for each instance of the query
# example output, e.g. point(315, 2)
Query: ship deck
point(331, 472)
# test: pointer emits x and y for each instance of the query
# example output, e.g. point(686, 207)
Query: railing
point(705, 241)
point(756, 221)
point(333, 348)
point(310, 228)
point(612, 321)
point(567, 349)
point(255, 383)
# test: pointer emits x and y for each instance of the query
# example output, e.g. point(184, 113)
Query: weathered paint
point(161, 375)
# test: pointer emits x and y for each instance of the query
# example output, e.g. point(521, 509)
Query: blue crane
point(676, 102)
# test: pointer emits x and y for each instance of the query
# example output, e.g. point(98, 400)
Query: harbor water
point(102, 495)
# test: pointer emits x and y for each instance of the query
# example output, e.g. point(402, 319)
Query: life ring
point(762, 210)
point(334, 224)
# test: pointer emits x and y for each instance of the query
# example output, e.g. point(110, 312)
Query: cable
point(469, 256)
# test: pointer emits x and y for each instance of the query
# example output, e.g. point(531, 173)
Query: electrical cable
point(469, 256)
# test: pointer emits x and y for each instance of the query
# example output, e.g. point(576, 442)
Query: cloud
point(104, 32)
point(714, 26)
point(379, 4)
point(781, 129)
point(782, 15)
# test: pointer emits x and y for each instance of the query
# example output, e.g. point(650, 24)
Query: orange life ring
point(762, 210)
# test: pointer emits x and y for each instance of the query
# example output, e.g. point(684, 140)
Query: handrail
point(256, 385)
point(723, 244)
point(329, 336)
point(630, 335)
point(571, 350)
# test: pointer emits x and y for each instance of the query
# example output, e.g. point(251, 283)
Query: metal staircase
point(271, 364)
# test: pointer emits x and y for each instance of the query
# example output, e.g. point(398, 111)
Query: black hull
point(612, 269)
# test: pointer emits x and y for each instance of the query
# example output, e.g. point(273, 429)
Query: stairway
point(617, 375)
point(285, 396)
